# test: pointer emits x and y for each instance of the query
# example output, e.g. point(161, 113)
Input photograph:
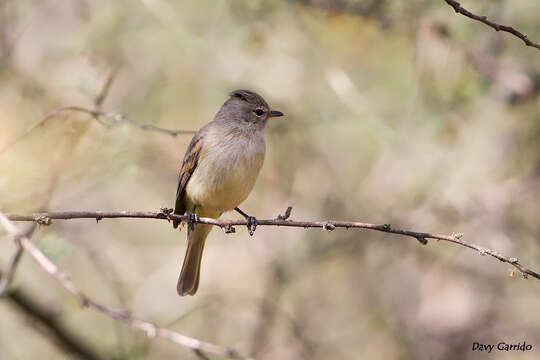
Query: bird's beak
point(275, 113)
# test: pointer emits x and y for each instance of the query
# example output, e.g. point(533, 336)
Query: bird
point(218, 171)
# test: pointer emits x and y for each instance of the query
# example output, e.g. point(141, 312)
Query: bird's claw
point(251, 222)
point(191, 220)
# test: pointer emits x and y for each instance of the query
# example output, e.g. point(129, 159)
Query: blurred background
point(397, 112)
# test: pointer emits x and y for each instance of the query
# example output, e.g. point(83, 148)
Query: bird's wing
point(188, 167)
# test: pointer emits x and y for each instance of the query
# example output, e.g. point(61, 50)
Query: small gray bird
point(218, 172)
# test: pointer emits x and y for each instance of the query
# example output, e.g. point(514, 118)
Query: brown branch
point(50, 326)
point(497, 27)
point(100, 98)
point(151, 330)
point(45, 218)
point(105, 118)
point(7, 276)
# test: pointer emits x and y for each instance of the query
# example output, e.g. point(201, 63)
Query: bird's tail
point(188, 282)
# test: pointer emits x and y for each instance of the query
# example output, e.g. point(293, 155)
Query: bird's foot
point(251, 224)
point(251, 221)
point(192, 219)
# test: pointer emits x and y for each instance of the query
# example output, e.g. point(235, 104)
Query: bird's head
point(247, 107)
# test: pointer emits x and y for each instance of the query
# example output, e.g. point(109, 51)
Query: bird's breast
point(227, 170)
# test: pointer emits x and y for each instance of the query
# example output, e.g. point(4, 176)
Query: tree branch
point(51, 326)
point(497, 27)
point(100, 98)
point(45, 218)
point(7, 276)
point(151, 330)
point(105, 118)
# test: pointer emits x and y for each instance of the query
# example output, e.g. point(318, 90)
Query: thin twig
point(151, 330)
point(101, 117)
point(100, 98)
point(497, 27)
point(227, 225)
point(7, 276)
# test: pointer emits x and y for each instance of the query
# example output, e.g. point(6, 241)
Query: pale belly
point(225, 176)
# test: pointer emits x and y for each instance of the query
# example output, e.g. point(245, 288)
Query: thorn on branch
point(43, 220)
point(328, 226)
point(286, 215)
point(422, 240)
point(165, 213)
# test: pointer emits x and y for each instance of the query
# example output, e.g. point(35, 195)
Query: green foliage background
point(397, 112)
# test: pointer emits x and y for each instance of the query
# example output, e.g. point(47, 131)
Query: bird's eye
point(259, 112)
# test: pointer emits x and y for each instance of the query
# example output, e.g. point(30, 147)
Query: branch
point(51, 326)
point(7, 277)
point(497, 27)
point(45, 218)
point(151, 330)
point(100, 116)
point(100, 98)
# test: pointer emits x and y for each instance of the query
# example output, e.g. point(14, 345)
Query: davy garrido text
point(501, 346)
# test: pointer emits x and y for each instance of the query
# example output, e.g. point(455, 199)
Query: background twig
point(100, 98)
point(50, 326)
point(497, 27)
point(7, 276)
point(103, 117)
